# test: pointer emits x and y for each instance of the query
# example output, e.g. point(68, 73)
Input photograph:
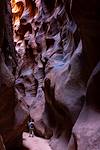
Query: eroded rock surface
point(85, 134)
point(48, 47)
point(10, 126)
point(57, 47)
point(59, 61)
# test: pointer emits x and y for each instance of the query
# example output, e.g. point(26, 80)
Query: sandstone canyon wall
point(10, 124)
point(54, 74)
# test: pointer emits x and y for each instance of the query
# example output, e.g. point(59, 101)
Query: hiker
point(31, 128)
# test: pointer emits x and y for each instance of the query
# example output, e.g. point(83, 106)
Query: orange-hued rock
point(56, 57)
point(11, 124)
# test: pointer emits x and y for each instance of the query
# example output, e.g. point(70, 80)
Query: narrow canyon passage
point(49, 75)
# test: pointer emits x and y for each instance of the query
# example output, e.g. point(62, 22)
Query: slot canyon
point(50, 74)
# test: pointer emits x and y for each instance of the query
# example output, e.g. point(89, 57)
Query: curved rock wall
point(59, 61)
point(10, 125)
point(7, 66)
point(56, 56)
point(85, 134)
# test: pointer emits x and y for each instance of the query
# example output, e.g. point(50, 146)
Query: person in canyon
point(31, 128)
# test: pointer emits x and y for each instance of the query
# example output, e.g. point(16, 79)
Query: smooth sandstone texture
point(10, 126)
point(35, 143)
point(64, 58)
point(57, 49)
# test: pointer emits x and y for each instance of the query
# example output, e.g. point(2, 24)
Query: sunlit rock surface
point(47, 39)
point(10, 126)
point(47, 52)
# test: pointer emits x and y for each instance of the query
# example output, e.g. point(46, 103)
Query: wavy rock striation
point(61, 57)
point(11, 127)
point(57, 48)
